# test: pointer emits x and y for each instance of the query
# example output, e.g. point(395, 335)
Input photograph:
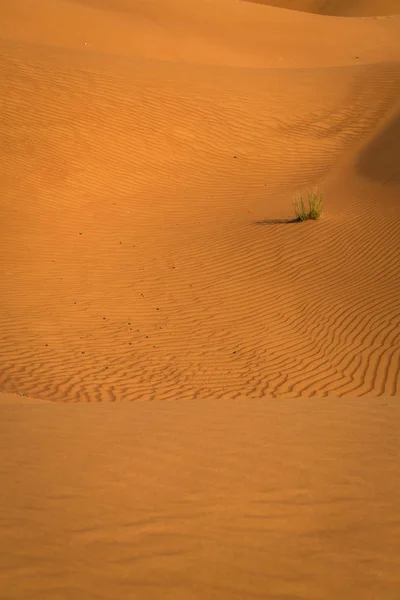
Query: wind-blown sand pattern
point(144, 177)
point(150, 153)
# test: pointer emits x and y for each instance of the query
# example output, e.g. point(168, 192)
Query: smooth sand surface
point(282, 500)
point(150, 151)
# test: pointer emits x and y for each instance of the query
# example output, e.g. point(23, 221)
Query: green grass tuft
point(314, 209)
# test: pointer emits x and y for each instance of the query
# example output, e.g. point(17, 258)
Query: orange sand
point(290, 499)
point(140, 257)
point(339, 8)
point(150, 152)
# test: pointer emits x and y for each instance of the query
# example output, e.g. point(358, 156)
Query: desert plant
point(314, 210)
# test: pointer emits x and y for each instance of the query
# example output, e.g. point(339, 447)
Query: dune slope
point(340, 8)
point(150, 154)
point(150, 151)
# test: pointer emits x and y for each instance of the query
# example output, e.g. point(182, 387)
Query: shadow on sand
point(276, 221)
point(380, 160)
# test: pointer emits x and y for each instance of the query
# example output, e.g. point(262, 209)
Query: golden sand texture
point(291, 499)
point(340, 8)
point(150, 155)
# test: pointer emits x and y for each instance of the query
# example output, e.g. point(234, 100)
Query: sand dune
point(142, 174)
point(340, 8)
point(150, 153)
point(227, 33)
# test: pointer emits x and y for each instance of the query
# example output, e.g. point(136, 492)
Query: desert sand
point(150, 154)
point(230, 499)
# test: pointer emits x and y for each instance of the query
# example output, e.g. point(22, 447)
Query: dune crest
point(338, 8)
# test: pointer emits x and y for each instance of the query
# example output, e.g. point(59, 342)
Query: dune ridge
point(339, 8)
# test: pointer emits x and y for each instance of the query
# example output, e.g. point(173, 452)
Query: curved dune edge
point(146, 199)
point(231, 34)
point(338, 8)
point(19, 398)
